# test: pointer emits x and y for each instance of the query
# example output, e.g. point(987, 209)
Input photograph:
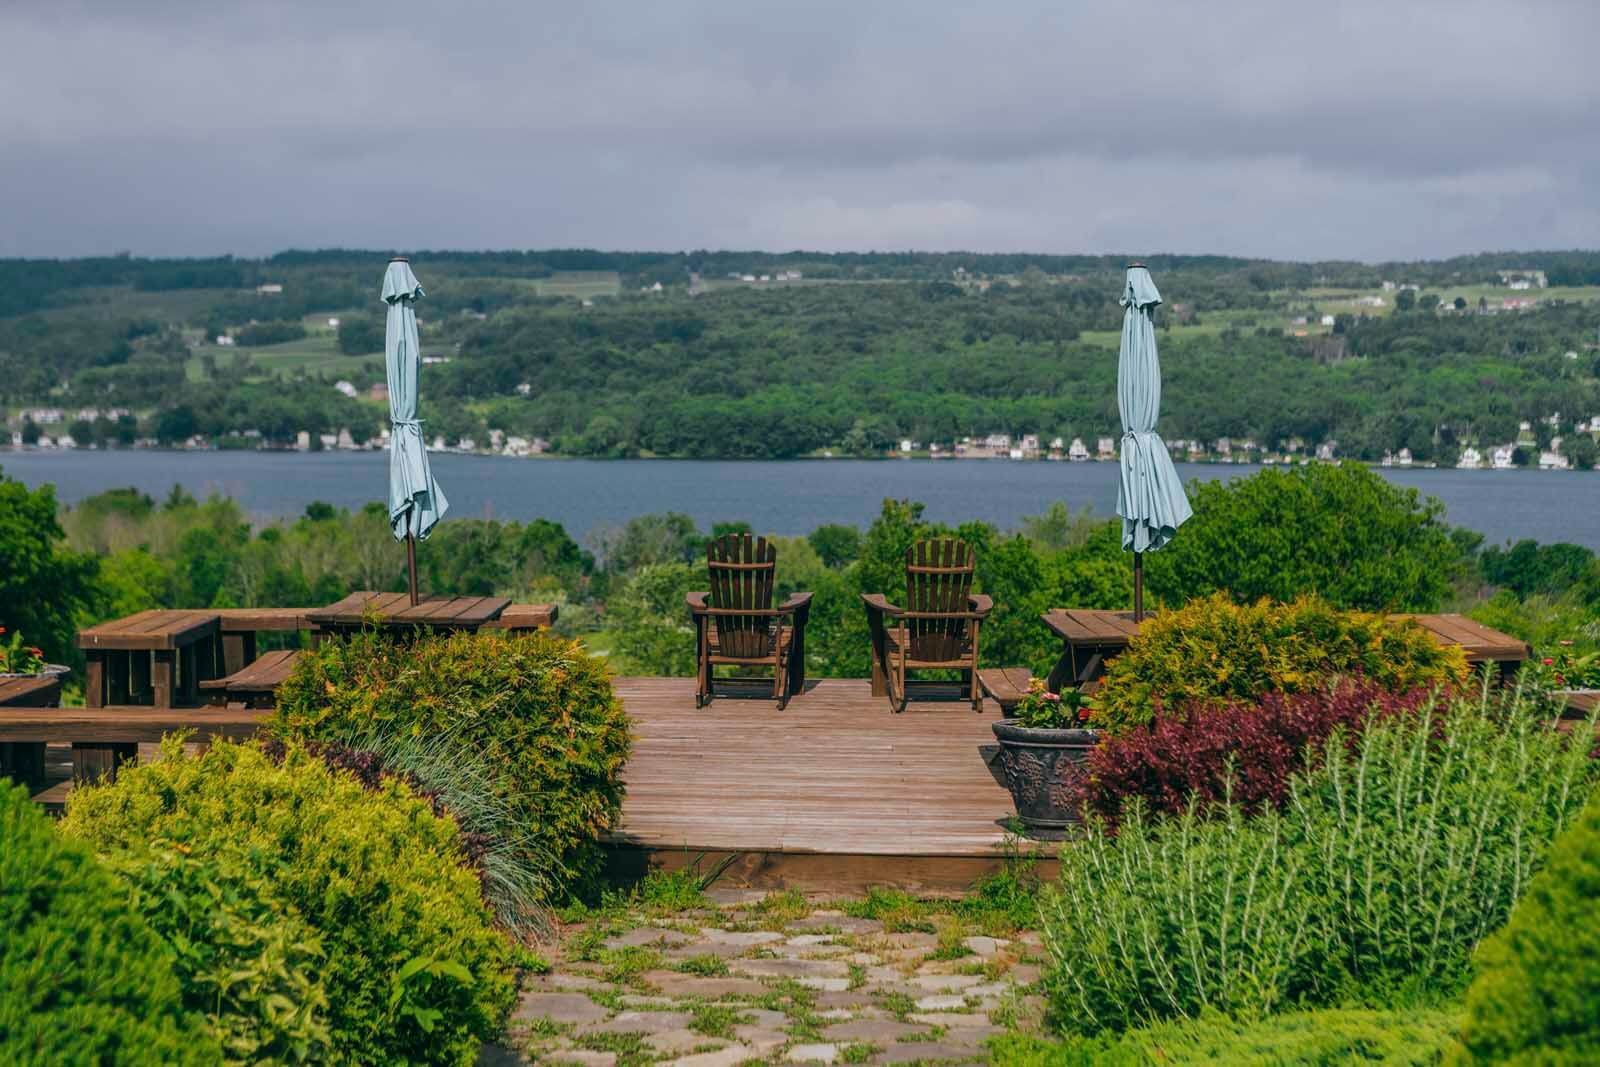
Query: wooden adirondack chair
point(938, 627)
point(735, 623)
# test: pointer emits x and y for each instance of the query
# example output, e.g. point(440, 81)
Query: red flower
point(1548, 661)
point(1083, 714)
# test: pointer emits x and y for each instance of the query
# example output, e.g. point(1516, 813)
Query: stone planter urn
point(1046, 771)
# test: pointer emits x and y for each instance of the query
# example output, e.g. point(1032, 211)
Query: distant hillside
point(755, 354)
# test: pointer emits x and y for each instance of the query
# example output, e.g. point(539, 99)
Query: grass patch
point(665, 892)
point(623, 965)
point(706, 966)
point(951, 935)
point(900, 1005)
point(716, 1020)
point(899, 911)
point(786, 907)
point(629, 1048)
point(859, 1052)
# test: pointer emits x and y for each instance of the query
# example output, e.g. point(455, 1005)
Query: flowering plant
point(1566, 669)
point(1040, 709)
point(18, 658)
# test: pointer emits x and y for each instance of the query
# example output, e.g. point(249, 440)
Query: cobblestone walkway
point(755, 979)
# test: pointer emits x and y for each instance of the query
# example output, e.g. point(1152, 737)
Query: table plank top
point(30, 692)
point(396, 609)
point(1112, 630)
point(154, 630)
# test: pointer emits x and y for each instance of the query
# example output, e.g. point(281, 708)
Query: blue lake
point(790, 497)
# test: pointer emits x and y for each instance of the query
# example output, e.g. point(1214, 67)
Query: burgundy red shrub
point(1243, 752)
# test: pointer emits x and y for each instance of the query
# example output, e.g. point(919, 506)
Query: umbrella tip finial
point(1134, 264)
point(401, 259)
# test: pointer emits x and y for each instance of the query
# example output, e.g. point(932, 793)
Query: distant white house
point(1106, 448)
point(1029, 444)
point(1471, 459)
point(42, 416)
point(1327, 320)
point(1404, 458)
point(1325, 451)
point(1551, 460)
point(1500, 457)
point(333, 323)
point(1388, 287)
point(224, 341)
point(905, 444)
point(1222, 446)
point(1001, 441)
point(524, 389)
point(1076, 451)
point(1373, 301)
point(269, 289)
point(428, 361)
point(347, 388)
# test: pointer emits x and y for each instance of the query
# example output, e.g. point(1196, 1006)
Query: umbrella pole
point(411, 565)
point(1138, 587)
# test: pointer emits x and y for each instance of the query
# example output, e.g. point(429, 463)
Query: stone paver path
point(743, 980)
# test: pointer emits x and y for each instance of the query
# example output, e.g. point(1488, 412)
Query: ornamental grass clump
point(1212, 651)
point(537, 710)
point(1389, 861)
point(1243, 753)
point(1536, 998)
point(83, 976)
point(351, 928)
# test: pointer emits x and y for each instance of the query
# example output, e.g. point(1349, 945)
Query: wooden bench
point(254, 685)
point(524, 618)
point(154, 657)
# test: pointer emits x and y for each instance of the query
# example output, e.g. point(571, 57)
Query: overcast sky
point(1340, 129)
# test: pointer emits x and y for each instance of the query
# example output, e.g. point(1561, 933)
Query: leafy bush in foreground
point(413, 970)
point(512, 866)
point(1386, 866)
point(537, 709)
point(1536, 999)
point(1213, 651)
point(1244, 753)
point(83, 977)
point(1329, 1038)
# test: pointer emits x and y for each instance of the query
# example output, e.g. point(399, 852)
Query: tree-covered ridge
point(861, 352)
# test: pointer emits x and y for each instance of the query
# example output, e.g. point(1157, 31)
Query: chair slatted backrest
point(938, 579)
point(742, 571)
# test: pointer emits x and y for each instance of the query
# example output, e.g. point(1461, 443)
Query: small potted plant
point(19, 660)
point(1044, 753)
point(1570, 678)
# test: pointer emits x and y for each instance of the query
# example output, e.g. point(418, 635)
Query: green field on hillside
point(316, 353)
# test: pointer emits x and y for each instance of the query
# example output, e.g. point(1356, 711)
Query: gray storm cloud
point(1357, 129)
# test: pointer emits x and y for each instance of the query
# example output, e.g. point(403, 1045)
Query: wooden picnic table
point(23, 761)
point(154, 657)
point(394, 611)
point(1089, 637)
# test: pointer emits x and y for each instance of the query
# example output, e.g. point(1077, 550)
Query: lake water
point(790, 497)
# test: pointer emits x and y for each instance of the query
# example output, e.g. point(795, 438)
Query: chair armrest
point(697, 602)
point(795, 603)
point(879, 603)
point(1057, 623)
point(981, 604)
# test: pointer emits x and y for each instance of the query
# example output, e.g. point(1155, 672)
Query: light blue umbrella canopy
point(415, 503)
point(1150, 497)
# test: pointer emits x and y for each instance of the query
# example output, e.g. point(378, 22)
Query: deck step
point(254, 684)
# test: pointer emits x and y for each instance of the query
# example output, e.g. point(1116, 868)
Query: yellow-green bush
point(1536, 999)
point(83, 977)
point(411, 965)
point(1213, 650)
point(537, 708)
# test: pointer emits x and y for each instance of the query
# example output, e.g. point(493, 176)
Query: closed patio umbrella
point(1150, 497)
point(415, 503)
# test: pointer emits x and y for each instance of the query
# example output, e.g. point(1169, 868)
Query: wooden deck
point(833, 792)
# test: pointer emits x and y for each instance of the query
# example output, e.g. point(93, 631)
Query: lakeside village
point(49, 428)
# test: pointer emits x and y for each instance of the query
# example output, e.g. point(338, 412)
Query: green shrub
point(1305, 1039)
point(1536, 999)
point(83, 977)
point(248, 963)
point(413, 970)
point(1386, 866)
point(536, 708)
point(1212, 651)
point(1345, 533)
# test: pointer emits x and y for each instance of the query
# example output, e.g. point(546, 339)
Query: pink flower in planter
point(1548, 661)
